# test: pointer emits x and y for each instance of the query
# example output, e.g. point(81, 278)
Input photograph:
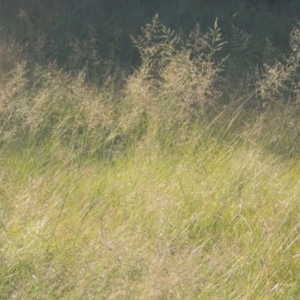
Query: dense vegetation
point(149, 149)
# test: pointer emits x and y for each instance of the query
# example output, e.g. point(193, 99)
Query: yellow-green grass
point(219, 223)
point(152, 187)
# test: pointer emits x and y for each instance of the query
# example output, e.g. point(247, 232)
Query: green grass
point(219, 223)
point(154, 186)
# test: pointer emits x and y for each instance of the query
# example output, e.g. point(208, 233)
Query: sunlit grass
point(221, 223)
point(151, 189)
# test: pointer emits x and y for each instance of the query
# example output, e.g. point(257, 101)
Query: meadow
point(174, 178)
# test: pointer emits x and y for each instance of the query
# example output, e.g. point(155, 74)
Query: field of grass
point(177, 179)
point(221, 222)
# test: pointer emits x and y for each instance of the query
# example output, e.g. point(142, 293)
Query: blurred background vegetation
point(47, 30)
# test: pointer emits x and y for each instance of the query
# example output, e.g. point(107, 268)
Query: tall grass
point(219, 223)
point(156, 186)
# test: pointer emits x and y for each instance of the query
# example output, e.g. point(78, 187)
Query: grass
point(221, 223)
point(154, 186)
